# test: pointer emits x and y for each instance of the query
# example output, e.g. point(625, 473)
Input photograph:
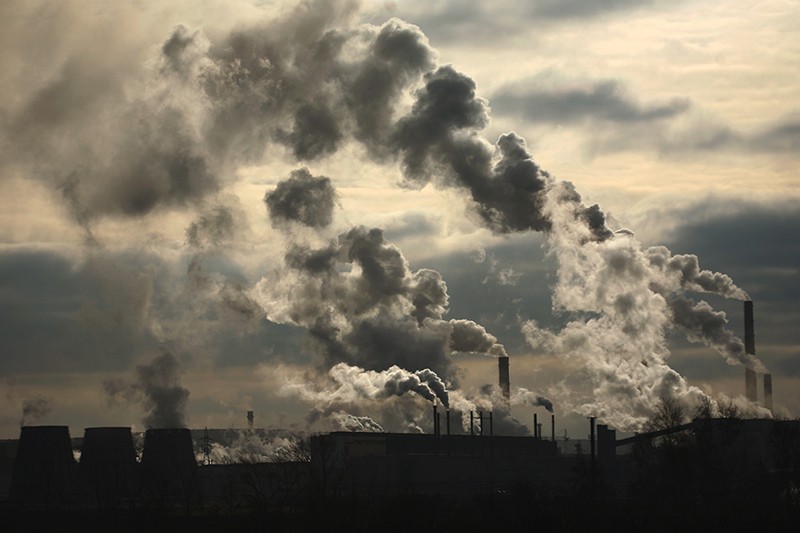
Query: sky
point(336, 213)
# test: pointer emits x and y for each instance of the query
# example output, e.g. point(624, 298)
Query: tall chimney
point(505, 383)
point(768, 391)
point(535, 425)
point(750, 384)
point(250, 418)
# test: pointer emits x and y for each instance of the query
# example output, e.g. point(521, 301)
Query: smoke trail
point(157, 387)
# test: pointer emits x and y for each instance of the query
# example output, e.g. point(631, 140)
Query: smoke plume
point(124, 130)
point(34, 410)
point(157, 387)
point(302, 198)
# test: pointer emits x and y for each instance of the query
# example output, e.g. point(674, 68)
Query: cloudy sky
point(332, 213)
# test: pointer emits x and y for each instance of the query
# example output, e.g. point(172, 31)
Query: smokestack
point(768, 391)
point(750, 384)
point(435, 420)
point(448, 422)
point(250, 418)
point(505, 383)
point(553, 427)
point(535, 426)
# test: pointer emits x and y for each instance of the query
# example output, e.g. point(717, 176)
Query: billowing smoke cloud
point(633, 297)
point(467, 336)
point(254, 447)
point(158, 388)
point(362, 304)
point(523, 396)
point(703, 324)
point(304, 86)
point(302, 198)
point(34, 410)
point(347, 396)
point(348, 422)
point(351, 384)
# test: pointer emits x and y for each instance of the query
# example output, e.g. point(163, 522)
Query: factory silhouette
point(709, 472)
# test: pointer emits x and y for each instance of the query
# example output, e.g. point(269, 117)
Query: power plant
point(107, 473)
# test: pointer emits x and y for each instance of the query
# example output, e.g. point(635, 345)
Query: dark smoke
point(157, 387)
point(703, 324)
point(523, 396)
point(302, 198)
point(34, 410)
point(361, 303)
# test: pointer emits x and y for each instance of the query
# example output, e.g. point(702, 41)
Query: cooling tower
point(108, 466)
point(505, 383)
point(750, 383)
point(168, 448)
point(44, 469)
point(107, 447)
point(169, 467)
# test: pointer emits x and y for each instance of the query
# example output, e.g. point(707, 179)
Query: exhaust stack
point(505, 383)
point(750, 383)
point(768, 391)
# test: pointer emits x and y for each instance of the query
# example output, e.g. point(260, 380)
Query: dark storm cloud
point(302, 198)
point(468, 21)
point(597, 100)
point(61, 316)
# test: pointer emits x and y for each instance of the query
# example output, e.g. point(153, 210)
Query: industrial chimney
point(250, 418)
point(768, 391)
point(505, 383)
point(750, 384)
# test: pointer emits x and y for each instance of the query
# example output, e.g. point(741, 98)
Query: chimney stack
point(505, 383)
point(768, 391)
point(250, 417)
point(750, 383)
